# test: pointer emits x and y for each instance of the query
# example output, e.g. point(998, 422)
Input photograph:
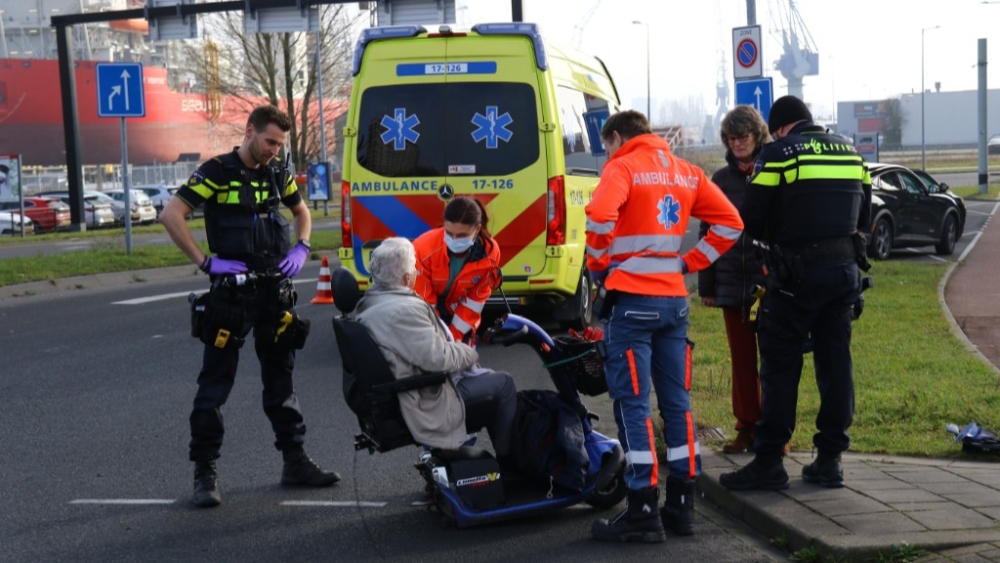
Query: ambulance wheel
point(577, 312)
point(612, 493)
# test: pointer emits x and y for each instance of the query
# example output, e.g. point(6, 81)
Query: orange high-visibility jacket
point(471, 288)
point(639, 214)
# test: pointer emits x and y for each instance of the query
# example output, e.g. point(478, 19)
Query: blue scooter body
point(604, 486)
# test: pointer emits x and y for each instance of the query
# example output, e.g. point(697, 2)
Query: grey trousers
point(490, 402)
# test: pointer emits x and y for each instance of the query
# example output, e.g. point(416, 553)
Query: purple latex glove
point(218, 266)
point(292, 264)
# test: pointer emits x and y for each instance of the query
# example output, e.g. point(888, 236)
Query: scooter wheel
point(612, 493)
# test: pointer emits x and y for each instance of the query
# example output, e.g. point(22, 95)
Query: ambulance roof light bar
point(373, 33)
point(529, 30)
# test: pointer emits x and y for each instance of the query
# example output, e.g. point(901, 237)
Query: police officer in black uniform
point(808, 200)
point(251, 289)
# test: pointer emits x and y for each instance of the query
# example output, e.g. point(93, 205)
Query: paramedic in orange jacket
point(635, 226)
point(457, 266)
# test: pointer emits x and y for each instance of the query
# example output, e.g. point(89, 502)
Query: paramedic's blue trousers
point(646, 342)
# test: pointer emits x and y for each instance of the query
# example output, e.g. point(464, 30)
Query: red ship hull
point(175, 124)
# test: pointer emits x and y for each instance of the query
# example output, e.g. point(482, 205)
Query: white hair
point(391, 261)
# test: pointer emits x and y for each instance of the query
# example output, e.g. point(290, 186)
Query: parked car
point(10, 224)
point(142, 207)
point(159, 194)
point(47, 214)
point(993, 145)
point(97, 214)
point(117, 208)
point(912, 209)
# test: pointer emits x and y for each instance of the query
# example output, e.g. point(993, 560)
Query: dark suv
point(911, 209)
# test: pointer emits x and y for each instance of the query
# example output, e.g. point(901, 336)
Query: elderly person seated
point(413, 341)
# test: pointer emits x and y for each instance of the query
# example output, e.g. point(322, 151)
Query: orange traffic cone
point(324, 293)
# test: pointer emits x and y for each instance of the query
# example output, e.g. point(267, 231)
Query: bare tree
point(278, 68)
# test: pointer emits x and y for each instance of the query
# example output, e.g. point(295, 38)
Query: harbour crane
point(799, 56)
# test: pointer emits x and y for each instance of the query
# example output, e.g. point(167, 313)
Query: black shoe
point(825, 472)
point(206, 485)
point(639, 521)
point(677, 513)
point(300, 471)
point(763, 475)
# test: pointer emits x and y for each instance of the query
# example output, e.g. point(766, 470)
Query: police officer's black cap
point(785, 110)
point(4, 168)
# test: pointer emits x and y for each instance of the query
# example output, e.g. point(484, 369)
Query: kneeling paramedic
point(635, 226)
point(808, 201)
point(251, 289)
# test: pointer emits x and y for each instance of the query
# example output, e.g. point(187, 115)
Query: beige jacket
point(413, 341)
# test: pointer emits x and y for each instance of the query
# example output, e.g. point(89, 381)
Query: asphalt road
point(97, 387)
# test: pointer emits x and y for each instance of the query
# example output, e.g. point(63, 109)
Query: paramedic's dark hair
point(629, 124)
point(467, 210)
point(261, 116)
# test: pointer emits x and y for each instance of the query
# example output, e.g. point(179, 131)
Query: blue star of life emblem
point(399, 129)
point(668, 209)
point(492, 127)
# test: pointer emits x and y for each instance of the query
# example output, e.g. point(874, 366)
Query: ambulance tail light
point(555, 217)
point(345, 214)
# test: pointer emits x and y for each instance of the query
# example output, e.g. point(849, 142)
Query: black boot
point(206, 484)
point(638, 522)
point(300, 471)
point(678, 509)
point(825, 471)
point(764, 473)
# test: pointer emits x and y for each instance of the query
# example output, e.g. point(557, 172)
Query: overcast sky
point(868, 49)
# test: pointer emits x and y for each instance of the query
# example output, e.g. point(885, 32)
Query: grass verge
point(911, 374)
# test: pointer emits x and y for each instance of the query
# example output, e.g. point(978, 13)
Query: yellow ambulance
point(495, 112)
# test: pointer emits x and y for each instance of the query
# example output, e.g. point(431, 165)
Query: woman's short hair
point(391, 261)
point(741, 121)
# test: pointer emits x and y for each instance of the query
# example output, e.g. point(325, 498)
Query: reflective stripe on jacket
point(471, 287)
point(640, 212)
point(808, 186)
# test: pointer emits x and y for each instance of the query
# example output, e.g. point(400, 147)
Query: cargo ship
point(181, 123)
point(177, 126)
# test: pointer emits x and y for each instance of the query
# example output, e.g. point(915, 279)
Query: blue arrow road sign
point(119, 90)
point(756, 92)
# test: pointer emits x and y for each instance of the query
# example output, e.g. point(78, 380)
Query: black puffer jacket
point(731, 278)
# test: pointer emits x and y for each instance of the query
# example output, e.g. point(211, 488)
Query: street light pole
point(648, 96)
point(923, 94)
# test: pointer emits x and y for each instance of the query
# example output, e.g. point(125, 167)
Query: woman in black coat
point(728, 283)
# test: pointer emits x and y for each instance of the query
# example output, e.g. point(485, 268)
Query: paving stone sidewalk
point(950, 509)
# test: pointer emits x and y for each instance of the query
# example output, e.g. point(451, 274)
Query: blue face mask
point(459, 245)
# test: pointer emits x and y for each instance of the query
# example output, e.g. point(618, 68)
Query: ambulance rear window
point(485, 128)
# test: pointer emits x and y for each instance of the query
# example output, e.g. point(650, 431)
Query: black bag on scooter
point(548, 440)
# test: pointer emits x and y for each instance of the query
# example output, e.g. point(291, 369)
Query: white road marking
point(165, 296)
point(122, 501)
point(352, 504)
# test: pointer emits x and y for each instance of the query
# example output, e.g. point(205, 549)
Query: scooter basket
point(585, 366)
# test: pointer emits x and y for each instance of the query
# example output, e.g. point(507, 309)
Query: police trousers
point(647, 348)
point(261, 308)
point(819, 305)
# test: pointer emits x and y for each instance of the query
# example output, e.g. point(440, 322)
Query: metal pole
point(127, 192)
point(984, 173)
point(516, 11)
point(71, 135)
point(751, 12)
point(322, 121)
point(923, 94)
point(649, 97)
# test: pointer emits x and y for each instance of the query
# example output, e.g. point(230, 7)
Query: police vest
point(241, 218)
point(821, 180)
